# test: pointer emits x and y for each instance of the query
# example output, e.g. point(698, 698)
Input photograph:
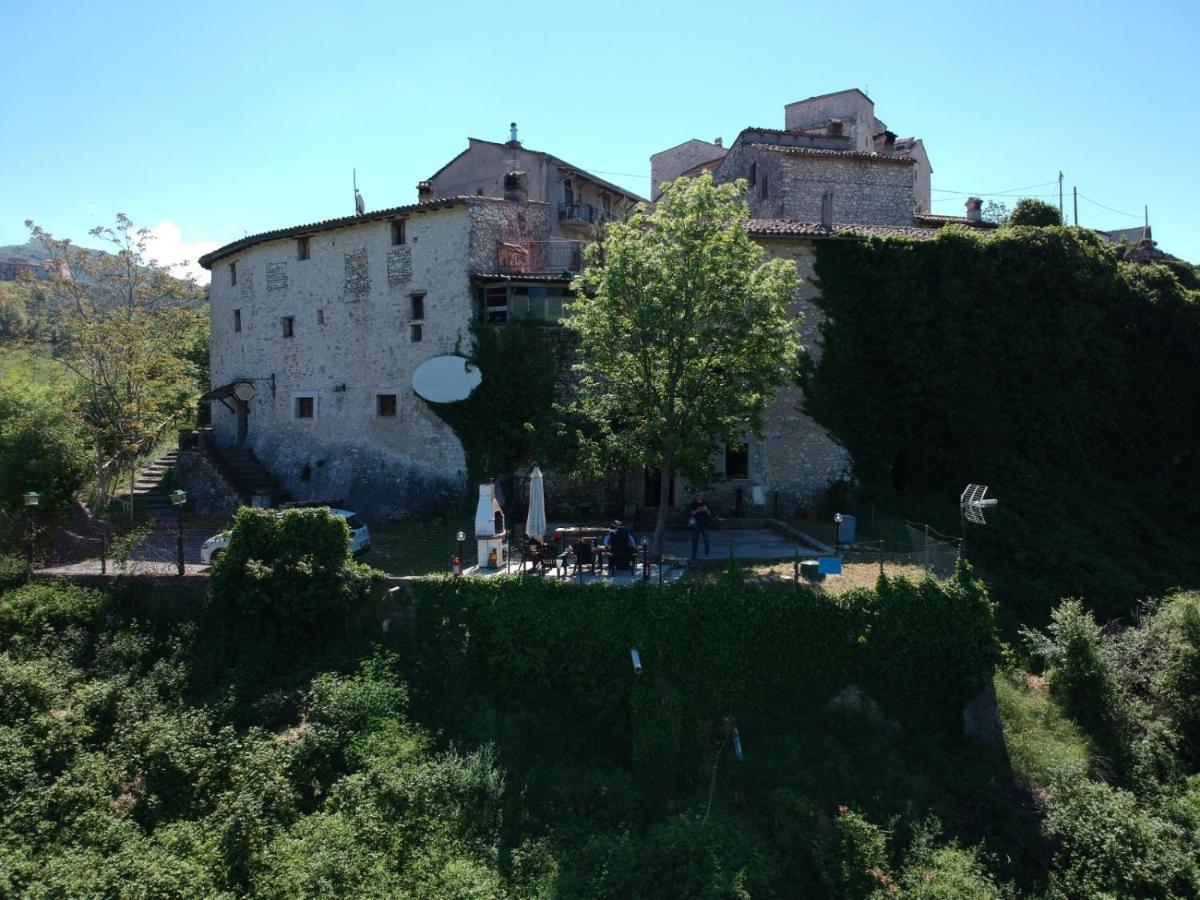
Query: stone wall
point(669, 164)
point(352, 315)
point(209, 493)
point(511, 222)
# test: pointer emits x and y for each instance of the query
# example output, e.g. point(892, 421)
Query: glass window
point(305, 407)
point(737, 460)
point(385, 405)
point(289, 326)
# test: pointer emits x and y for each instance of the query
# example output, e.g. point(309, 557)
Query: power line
point(1109, 208)
point(994, 193)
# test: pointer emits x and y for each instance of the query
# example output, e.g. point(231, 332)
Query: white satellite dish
point(445, 379)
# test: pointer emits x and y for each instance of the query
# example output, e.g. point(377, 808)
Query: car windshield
point(354, 522)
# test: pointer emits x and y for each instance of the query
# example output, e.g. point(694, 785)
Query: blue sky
point(209, 121)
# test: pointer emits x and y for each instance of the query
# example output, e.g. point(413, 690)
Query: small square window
point(237, 320)
point(289, 326)
point(320, 317)
point(397, 232)
point(417, 302)
point(306, 407)
point(233, 273)
point(385, 405)
point(302, 248)
point(416, 333)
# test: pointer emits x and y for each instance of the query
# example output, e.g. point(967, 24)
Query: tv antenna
point(360, 207)
point(971, 504)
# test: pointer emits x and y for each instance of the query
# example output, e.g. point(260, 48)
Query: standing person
point(698, 516)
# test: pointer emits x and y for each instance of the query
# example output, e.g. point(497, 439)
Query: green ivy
point(510, 419)
point(1035, 361)
point(712, 654)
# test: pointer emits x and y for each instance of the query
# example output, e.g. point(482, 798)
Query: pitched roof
point(344, 222)
point(783, 228)
point(558, 161)
point(935, 221)
point(842, 154)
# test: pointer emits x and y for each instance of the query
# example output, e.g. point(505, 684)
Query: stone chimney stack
point(516, 186)
point(827, 210)
point(424, 191)
point(512, 136)
point(718, 142)
point(974, 209)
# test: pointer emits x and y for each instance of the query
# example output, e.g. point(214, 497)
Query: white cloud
point(169, 247)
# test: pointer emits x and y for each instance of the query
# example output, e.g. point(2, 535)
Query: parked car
point(359, 543)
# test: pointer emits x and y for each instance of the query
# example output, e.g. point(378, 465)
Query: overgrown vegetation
point(201, 758)
point(1036, 361)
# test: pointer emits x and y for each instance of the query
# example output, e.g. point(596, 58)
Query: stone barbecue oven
point(490, 533)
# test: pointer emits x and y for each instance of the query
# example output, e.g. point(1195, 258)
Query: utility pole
point(1075, 194)
point(1061, 217)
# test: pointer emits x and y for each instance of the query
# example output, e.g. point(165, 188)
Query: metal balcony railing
point(580, 212)
point(539, 257)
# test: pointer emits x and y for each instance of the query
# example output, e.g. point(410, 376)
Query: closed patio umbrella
point(535, 522)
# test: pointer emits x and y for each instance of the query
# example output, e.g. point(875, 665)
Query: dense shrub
point(289, 570)
point(1109, 845)
point(28, 611)
point(40, 449)
point(1034, 212)
point(1025, 359)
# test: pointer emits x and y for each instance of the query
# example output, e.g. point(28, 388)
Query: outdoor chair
point(538, 555)
point(621, 558)
point(585, 555)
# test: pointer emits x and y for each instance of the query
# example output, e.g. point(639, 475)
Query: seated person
point(620, 538)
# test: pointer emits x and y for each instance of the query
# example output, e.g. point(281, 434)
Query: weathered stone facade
point(209, 494)
point(320, 351)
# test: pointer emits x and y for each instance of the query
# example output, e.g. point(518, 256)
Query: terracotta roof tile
point(795, 228)
point(345, 221)
point(935, 221)
point(845, 154)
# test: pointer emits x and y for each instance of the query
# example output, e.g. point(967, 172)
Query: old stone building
point(833, 172)
point(579, 200)
point(317, 329)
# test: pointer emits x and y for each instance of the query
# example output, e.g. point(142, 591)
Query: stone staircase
point(150, 488)
point(251, 478)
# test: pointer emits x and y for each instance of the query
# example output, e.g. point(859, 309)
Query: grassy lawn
point(420, 548)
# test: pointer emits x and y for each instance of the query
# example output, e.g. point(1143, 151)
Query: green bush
point(1025, 357)
point(1109, 845)
point(13, 573)
point(34, 608)
point(291, 571)
point(40, 449)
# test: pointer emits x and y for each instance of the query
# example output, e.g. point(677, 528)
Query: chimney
point(827, 210)
point(516, 186)
point(424, 191)
point(490, 533)
point(512, 135)
point(717, 142)
point(974, 209)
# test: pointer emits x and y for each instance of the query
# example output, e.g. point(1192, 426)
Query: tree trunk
point(664, 500)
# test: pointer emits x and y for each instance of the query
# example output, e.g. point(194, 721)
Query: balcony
point(541, 258)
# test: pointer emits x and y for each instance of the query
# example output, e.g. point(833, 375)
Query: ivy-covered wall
point(1038, 363)
point(509, 421)
point(711, 654)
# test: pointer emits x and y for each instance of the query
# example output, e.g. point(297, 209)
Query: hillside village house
point(317, 329)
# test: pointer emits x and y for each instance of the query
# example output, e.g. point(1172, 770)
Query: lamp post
point(645, 559)
point(30, 500)
point(461, 537)
point(178, 499)
point(837, 519)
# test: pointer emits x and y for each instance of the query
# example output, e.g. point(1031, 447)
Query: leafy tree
point(1034, 212)
point(121, 325)
point(684, 335)
point(997, 212)
point(40, 449)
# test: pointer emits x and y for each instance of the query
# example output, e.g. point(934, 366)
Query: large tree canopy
point(684, 334)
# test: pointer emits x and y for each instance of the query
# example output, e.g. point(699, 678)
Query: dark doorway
point(900, 470)
point(653, 489)
point(243, 419)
